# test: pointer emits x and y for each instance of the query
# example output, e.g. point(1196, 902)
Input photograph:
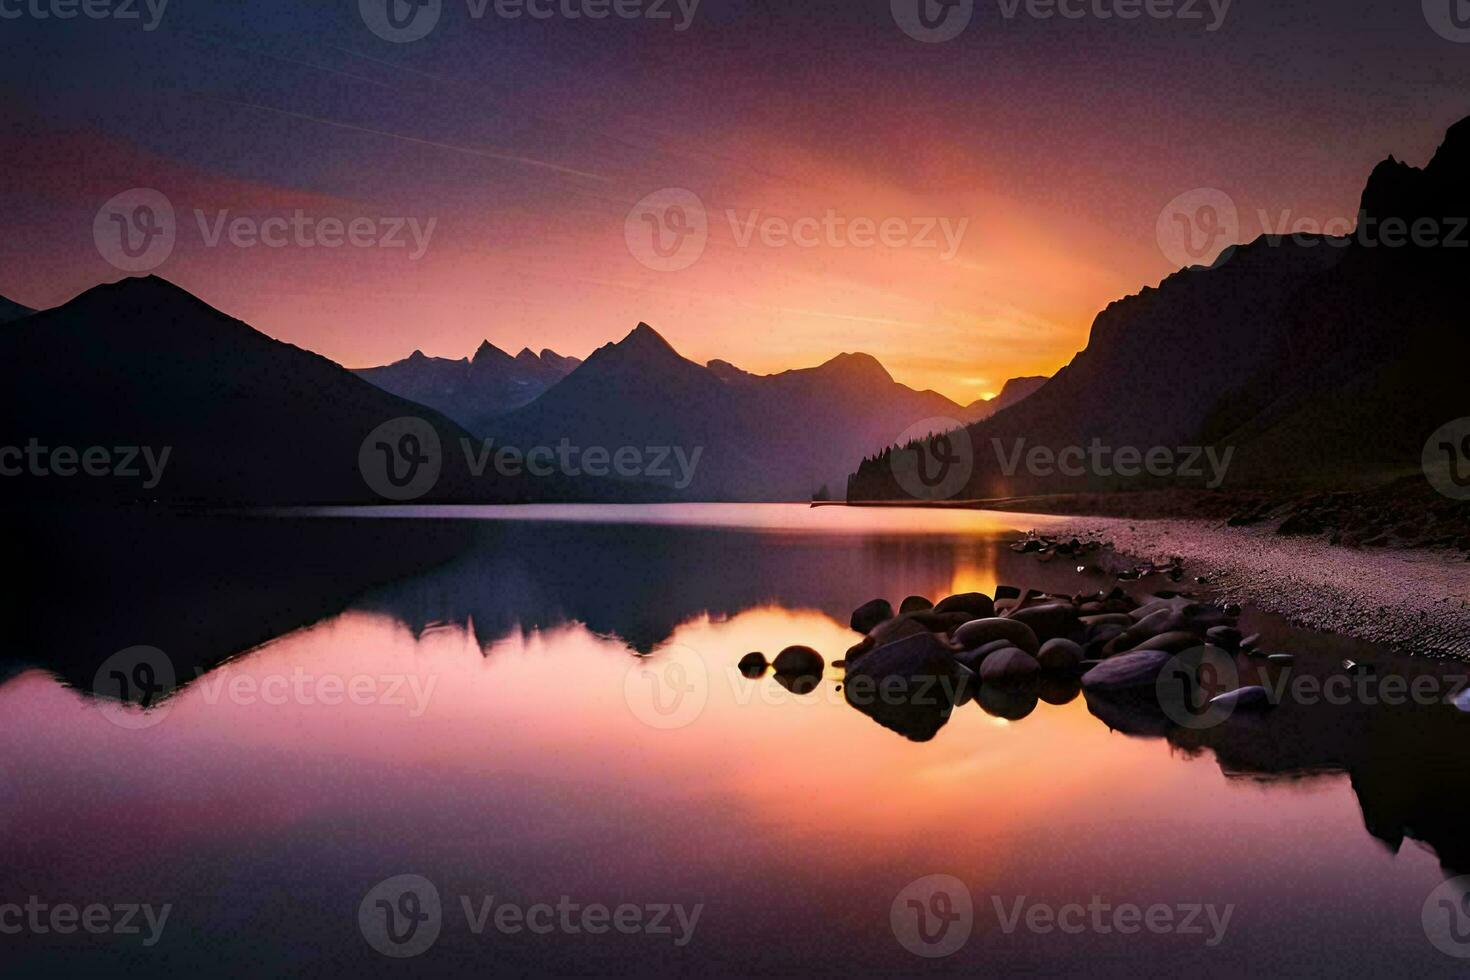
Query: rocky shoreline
point(1411, 600)
point(914, 666)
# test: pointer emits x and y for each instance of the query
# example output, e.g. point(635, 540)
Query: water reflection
point(516, 755)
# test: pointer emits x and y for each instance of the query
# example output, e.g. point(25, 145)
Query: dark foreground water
point(494, 742)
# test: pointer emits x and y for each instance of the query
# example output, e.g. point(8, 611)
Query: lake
point(514, 740)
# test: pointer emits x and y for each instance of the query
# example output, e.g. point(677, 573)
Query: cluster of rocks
point(1048, 547)
point(913, 666)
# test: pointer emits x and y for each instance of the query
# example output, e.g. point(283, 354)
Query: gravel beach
point(1412, 600)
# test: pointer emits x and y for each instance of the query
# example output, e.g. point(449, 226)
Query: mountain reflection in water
point(522, 638)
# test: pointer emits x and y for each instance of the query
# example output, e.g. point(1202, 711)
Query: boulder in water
point(1059, 654)
point(1008, 665)
point(1127, 672)
point(870, 614)
point(753, 664)
point(800, 661)
point(1052, 621)
point(977, 605)
point(979, 632)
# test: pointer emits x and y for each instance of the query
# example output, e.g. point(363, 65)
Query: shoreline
point(1409, 600)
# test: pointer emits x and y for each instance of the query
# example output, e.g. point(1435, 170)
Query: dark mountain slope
point(1316, 361)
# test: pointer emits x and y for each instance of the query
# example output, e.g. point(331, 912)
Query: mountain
point(472, 390)
point(11, 310)
point(1315, 361)
point(758, 437)
point(1014, 391)
point(243, 418)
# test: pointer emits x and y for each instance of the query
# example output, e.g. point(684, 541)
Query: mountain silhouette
point(11, 310)
point(759, 437)
point(1320, 361)
point(472, 390)
point(245, 419)
point(1014, 391)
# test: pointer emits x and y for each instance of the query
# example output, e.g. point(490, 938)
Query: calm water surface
point(554, 711)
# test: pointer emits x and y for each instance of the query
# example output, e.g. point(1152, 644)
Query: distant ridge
point(761, 437)
point(472, 390)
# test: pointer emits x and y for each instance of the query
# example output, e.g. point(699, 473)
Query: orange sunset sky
point(527, 146)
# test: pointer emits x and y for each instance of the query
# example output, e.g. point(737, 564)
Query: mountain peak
point(488, 352)
point(861, 366)
point(644, 334)
point(646, 340)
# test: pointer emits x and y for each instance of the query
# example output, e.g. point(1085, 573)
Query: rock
point(936, 622)
point(915, 603)
point(861, 647)
point(798, 683)
point(1008, 665)
point(966, 683)
point(1126, 672)
point(1224, 637)
point(1232, 609)
point(1100, 636)
point(976, 604)
point(1009, 701)
point(907, 686)
point(1059, 688)
point(1251, 642)
point(1108, 619)
point(1244, 699)
point(1007, 592)
point(1155, 624)
point(753, 664)
point(1283, 659)
point(974, 658)
point(800, 662)
point(1059, 654)
point(1049, 622)
point(978, 632)
point(1176, 641)
point(870, 614)
point(895, 629)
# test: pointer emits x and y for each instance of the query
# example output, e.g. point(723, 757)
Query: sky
point(820, 179)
